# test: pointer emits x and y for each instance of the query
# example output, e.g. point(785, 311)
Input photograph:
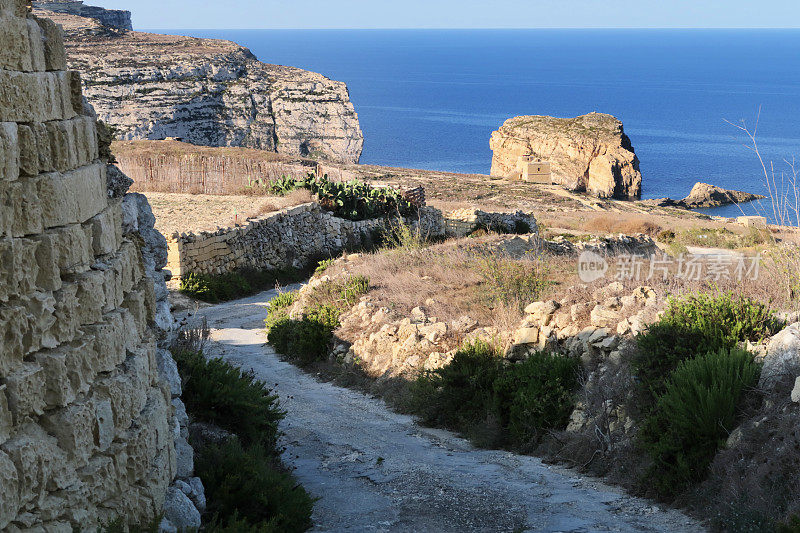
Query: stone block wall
point(290, 238)
point(85, 417)
point(462, 222)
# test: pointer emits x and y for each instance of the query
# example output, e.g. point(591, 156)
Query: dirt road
point(374, 470)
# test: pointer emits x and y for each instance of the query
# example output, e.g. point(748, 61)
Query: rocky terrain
point(208, 92)
point(705, 195)
point(588, 153)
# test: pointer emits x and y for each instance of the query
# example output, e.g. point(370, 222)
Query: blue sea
point(431, 98)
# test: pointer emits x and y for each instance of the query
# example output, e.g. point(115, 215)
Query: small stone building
point(534, 169)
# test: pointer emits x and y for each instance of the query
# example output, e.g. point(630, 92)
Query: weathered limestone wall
point(290, 238)
point(86, 419)
point(462, 222)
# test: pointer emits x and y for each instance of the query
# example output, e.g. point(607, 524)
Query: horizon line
point(498, 28)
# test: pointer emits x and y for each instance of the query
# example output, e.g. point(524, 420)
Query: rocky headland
point(589, 153)
point(206, 92)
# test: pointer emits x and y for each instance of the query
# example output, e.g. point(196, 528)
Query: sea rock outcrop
point(209, 92)
point(705, 195)
point(87, 419)
point(589, 153)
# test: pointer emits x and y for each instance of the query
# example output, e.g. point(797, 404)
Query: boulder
point(168, 370)
point(783, 355)
point(197, 493)
point(705, 195)
point(117, 183)
point(179, 510)
point(155, 247)
point(603, 317)
point(590, 153)
point(526, 336)
point(541, 312)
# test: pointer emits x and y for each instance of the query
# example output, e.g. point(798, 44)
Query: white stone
point(168, 370)
point(783, 355)
point(180, 511)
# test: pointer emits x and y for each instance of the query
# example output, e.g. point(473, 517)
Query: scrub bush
point(219, 393)
point(536, 395)
point(249, 487)
point(478, 389)
point(694, 416)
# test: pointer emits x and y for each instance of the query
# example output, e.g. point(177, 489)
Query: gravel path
point(374, 470)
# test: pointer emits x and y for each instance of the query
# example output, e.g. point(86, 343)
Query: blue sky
point(263, 14)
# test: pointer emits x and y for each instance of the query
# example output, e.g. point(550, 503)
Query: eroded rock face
point(589, 153)
point(705, 195)
point(209, 92)
point(111, 18)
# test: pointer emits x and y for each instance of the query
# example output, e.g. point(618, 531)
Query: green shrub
point(352, 200)
point(666, 236)
point(727, 317)
point(460, 394)
point(478, 388)
point(792, 525)
point(249, 486)
point(693, 417)
point(522, 227)
point(695, 325)
point(232, 285)
point(214, 288)
point(342, 293)
point(278, 308)
point(661, 348)
point(119, 526)
point(536, 395)
point(307, 338)
point(235, 524)
point(324, 265)
point(219, 393)
point(283, 300)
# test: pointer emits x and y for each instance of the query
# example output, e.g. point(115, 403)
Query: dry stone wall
point(86, 421)
point(462, 222)
point(290, 238)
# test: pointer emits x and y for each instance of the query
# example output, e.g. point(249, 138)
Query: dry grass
point(452, 279)
point(448, 281)
point(276, 203)
point(618, 223)
point(196, 212)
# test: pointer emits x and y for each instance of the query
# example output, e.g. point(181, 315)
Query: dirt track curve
point(374, 470)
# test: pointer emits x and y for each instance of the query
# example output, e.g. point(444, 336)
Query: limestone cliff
point(589, 153)
point(111, 18)
point(209, 92)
